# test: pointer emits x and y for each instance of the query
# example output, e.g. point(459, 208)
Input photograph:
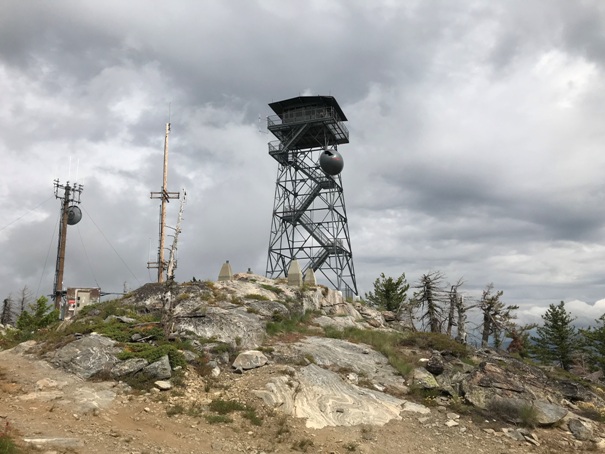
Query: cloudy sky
point(476, 137)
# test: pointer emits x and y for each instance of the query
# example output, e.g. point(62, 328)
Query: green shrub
point(272, 288)
point(289, 324)
point(302, 445)
point(384, 342)
point(176, 409)
point(223, 407)
point(254, 296)
point(250, 415)
point(153, 353)
point(218, 419)
point(434, 341)
point(505, 410)
point(141, 381)
point(7, 444)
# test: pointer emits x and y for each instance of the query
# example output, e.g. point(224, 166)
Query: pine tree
point(556, 339)
point(389, 294)
point(593, 343)
point(41, 314)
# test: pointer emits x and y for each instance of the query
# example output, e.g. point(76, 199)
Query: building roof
point(280, 107)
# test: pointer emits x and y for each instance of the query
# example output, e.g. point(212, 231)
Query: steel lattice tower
point(309, 216)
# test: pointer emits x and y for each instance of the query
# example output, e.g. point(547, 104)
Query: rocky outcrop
point(343, 356)
point(224, 324)
point(323, 398)
point(87, 356)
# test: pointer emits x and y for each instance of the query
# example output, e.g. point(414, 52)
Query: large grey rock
point(435, 364)
point(339, 323)
point(341, 355)
point(328, 301)
point(128, 367)
point(160, 370)
point(87, 356)
point(223, 324)
point(324, 399)
point(548, 414)
point(424, 379)
point(488, 382)
point(580, 430)
point(250, 359)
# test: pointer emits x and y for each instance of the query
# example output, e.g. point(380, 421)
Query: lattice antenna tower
point(165, 196)
point(70, 215)
point(309, 216)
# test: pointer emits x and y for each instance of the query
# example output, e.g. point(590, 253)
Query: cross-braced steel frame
point(309, 216)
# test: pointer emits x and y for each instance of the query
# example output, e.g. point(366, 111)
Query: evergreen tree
point(41, 314)
point(389, 294)
point(556, 338)
point(593, 343)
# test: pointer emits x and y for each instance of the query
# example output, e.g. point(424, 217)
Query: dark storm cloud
point(463, 119)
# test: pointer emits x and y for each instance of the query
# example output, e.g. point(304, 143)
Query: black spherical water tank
point(331, 162)
point(74, 215)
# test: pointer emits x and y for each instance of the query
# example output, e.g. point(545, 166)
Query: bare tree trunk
point(487, 328)
point(461, 309)
point(452, 309)
point(24, 299)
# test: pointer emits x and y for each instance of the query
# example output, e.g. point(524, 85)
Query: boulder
point(223, 324)
point(435, 365)
point(424, 379)
point(160, 370)
point(580, 430)
point(87, 356)
point(250, 359)
point(548, 414)
point(128, 367)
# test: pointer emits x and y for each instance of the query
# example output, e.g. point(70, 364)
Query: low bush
point(524, 415)
point(434, 341)
point(295, 323)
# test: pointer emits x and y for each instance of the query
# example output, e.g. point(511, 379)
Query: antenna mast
point(70, 215)
point(165, 196)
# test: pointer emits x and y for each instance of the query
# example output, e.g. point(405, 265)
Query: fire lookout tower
point(309, 217)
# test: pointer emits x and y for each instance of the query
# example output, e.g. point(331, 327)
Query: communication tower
point(70, 215)
point(309, 216)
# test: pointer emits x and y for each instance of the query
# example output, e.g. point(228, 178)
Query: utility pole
point(70, 215)
point(165, 197)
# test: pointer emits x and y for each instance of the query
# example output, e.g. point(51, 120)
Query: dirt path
point(43, 403)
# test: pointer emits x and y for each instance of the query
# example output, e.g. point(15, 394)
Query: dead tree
point(453, 303)
point(430, 296)
point(6, 317)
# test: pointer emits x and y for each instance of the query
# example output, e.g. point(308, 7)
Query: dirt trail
point(41, 402)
